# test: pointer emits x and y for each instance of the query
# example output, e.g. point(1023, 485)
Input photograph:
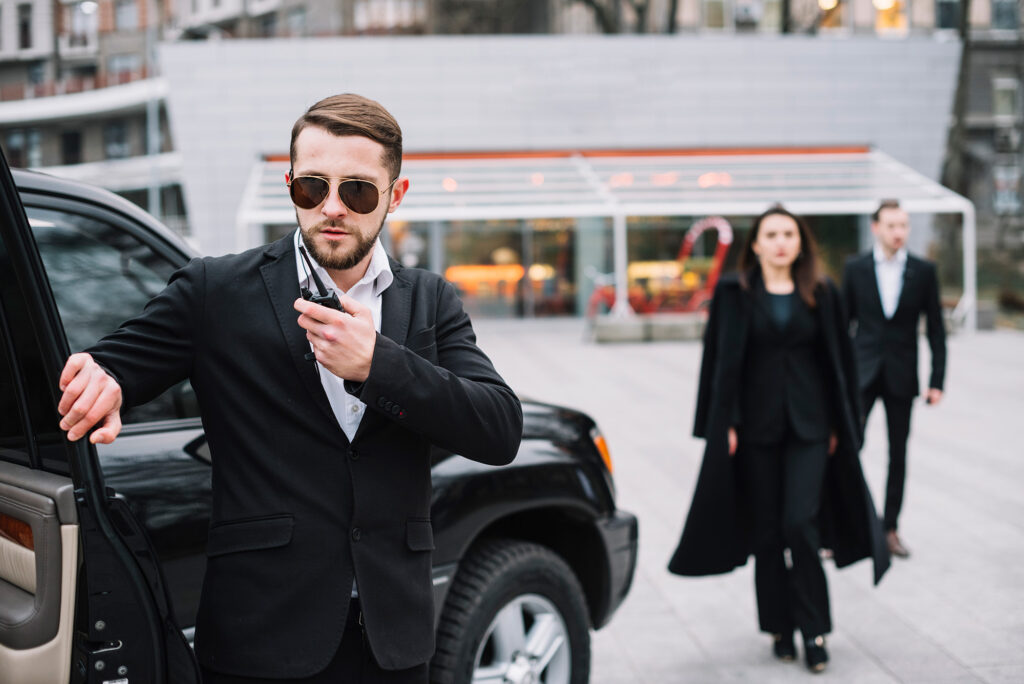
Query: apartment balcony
point(76, 46)
point(124, 175)
point(124, 92)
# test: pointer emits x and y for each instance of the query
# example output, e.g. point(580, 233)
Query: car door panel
point(38, 564)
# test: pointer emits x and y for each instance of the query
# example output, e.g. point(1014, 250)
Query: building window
point(115, 140)
point(267, 25)
point(1006, 98)
point(71, 147)
point(297, 21)
point(84, 23)
point(1005, 15)
point(36, 73)
point(947, 14)
point(16, 148)
point(890, 16)
point(126, 15)
point(386, 16)
point(34, 148)
point(124, 63)
point(24, 27)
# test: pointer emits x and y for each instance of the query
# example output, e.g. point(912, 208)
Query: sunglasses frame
point(291, 178)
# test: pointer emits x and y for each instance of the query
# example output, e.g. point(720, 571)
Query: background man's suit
point(886, 350)
point(298, 510)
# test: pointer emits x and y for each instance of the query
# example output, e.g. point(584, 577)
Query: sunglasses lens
point(359, 196)
point(308, 192)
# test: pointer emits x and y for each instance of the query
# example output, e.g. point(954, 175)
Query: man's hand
point(733, 441)
point(933, 397)
point(90, 396)
point(342, 342)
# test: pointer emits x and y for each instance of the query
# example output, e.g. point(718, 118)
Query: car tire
point(515, 609)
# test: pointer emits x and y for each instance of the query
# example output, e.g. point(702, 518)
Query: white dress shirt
point(378, 277)
point(889, 274)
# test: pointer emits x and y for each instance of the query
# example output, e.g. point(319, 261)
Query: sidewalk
point(954, 612)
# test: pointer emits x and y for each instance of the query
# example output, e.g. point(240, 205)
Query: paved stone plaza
point(953, 612)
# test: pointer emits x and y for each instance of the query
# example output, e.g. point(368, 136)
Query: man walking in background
point(886, 292)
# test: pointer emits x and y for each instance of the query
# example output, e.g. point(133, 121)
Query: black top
point(781, 307)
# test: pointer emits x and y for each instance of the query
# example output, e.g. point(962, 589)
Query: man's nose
point(333, 206)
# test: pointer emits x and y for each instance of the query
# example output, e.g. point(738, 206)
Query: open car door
point(82, 598)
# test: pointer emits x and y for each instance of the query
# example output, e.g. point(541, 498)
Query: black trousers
point(352, 664)
point(897, 416)
point(782, 485)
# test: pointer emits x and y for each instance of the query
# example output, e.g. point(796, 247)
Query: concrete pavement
point(953, 612)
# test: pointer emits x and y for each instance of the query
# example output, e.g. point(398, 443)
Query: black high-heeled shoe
point(783, 647)
point(815, 654)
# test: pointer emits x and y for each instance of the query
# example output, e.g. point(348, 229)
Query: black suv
point(102, 549)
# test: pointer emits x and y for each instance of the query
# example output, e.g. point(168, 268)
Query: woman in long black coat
point(778, 407)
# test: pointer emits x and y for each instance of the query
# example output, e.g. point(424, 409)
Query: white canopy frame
point(620, 185)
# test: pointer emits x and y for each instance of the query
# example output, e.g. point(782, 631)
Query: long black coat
point(716, 537)
point(298, 509)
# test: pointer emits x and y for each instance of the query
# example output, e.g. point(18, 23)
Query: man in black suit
point(319, 420)
point(886, 292)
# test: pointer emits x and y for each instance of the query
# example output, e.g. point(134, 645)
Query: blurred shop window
point(757, 15)
point(1005, 99)
point(833, 14)
point(126, 15)
point(389, 16)
point(947, 14)
point(267, 25)
point(124, 63)
point(1006, 197)
point(71, 147)
point(24, 27)
point(115, 140)
point(297, 21)
point(1005, 15)
point(410, 243)
point(713, 14)
point(34, 148)
point(890, 16)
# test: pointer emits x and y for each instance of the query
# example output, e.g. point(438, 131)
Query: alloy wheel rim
point(527, 642)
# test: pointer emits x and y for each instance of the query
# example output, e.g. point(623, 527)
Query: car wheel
point(515, 614)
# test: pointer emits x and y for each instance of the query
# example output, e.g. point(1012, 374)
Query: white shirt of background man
point(368, 292)
point(889, 274)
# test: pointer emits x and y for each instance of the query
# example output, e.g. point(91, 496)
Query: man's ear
point(398, 191)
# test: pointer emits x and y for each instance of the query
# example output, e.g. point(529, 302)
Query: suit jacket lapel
point(282, 282)
point(871, 274)
point(396, 303)
point(909, 271)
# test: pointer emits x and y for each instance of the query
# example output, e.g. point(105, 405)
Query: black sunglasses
point(309, 192)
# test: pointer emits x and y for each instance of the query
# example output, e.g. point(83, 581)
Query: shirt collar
point(378, 272)
point(900, 257)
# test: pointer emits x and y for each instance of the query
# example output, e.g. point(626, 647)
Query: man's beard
point(334, 258)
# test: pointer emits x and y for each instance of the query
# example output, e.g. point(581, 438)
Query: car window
point(101, 276)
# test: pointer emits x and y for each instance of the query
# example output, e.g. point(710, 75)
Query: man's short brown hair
point(882, 206)
point(350, 114)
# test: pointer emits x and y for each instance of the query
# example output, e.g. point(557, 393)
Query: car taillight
point(602, 448)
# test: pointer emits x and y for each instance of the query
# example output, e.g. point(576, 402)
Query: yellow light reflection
point(883, 5)
point(541, 272)
point(713, 178)
point(450, 184)
point(662, 180)
point(827, 5)
point(620, 180)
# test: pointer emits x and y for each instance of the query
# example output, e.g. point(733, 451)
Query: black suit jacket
point(783, 378)
point(888, 347)
point(297, 509)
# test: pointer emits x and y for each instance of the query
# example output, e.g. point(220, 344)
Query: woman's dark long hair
point(806, 270)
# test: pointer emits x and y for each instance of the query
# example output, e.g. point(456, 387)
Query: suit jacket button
point(388, 405)
point(357, 534)
point(380, 401)
point(396, 409)
point(353, 454)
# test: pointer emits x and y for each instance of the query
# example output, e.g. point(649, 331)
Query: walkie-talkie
point(324, 297)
